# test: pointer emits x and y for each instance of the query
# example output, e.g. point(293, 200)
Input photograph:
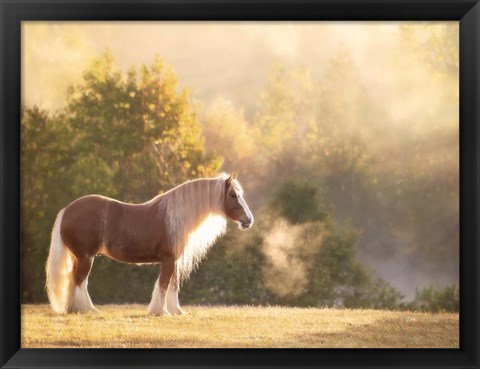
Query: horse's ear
point(232, 176)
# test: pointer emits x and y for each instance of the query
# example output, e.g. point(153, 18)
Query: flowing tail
point(59, 270)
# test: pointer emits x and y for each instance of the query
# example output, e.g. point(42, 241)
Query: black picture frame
point(14, 12)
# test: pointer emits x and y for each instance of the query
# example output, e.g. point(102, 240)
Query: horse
point(175, 228)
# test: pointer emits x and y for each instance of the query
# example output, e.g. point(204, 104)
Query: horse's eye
point(233, 194)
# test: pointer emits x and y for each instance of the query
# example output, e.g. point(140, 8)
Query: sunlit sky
point(211, 58)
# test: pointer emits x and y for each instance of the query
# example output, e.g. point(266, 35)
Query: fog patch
point(289, 250)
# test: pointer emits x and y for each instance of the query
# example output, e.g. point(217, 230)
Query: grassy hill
point(123, 326)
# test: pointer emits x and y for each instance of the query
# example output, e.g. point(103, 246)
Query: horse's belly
point(133, 243)
point(130, 253)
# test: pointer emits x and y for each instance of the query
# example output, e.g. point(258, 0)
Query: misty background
point(344, 135)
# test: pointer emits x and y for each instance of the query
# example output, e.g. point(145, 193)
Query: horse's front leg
point(158, 304)
point(172, 295)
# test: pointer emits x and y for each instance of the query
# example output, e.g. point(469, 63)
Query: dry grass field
point(125, 326)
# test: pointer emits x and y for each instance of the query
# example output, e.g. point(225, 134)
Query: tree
point(324, 251)
point(45, 159)
point(284, 119)
point(229, 134)
point(299, 201)
point(230, 274)
point(124, 136)
point(136, 130)
point(425, 184)
point(431, 298)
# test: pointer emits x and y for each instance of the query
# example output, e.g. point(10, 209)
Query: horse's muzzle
point(246, 225)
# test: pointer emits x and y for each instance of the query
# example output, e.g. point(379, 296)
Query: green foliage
point(124, 136)
point(139, 134)
point(231, 274)
point(340, 279)
point(112, 282)
point(383, 295)
point(431, 298)
point(299, 201)
point(333, 272)
point(44, 168)
point(283, 120)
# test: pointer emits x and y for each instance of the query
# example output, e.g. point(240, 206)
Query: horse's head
point(234, 205)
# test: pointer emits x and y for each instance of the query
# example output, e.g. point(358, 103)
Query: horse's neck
point(193, 202)
point(203, 199)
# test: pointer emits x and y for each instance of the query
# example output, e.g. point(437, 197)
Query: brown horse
point(175, 229)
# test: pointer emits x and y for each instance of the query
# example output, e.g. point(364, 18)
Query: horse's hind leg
point(80, 301)
point(172, 294)
point(158, 304)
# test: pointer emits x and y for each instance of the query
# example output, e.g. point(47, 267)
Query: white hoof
point(80, 300)
point(158, 312)
point(178, 311)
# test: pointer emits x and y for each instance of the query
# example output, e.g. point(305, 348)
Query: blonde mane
point(195, 219)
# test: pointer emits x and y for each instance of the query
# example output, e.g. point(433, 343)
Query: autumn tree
point(128, 136)
point(230, 135)
point(136, 130)
point(284, 119)
point(426, 180)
